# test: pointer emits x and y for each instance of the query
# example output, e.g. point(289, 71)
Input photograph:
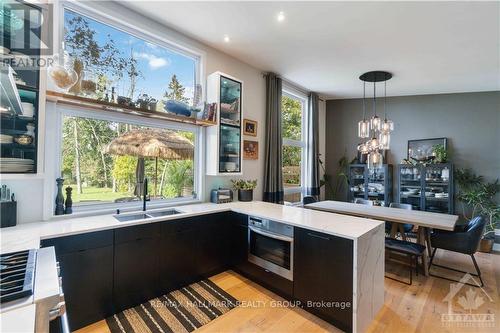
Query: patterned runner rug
point(182, 310)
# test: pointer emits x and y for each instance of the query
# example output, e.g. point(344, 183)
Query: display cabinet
point(374, 185)
point(224, 148)
point(426, 187)
point(19, 102)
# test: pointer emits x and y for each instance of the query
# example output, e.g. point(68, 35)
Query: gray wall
point(470, 121)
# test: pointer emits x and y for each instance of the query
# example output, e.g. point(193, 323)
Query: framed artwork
point(249, 127)
point(421, 150)
point(250, 150)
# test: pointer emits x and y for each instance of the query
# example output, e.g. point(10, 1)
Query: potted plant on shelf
point(479, 197)
point(245, 188)
point(440, 154)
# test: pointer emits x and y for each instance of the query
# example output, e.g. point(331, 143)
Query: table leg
point(401, 229)
point(428, 240)
point(421, 240)
point(394, 229)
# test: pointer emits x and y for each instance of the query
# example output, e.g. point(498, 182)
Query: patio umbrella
point(155, 143)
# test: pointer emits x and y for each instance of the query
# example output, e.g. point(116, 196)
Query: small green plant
point(479, 197)
point(242, 184)
point(342, 178)
point(441, 154)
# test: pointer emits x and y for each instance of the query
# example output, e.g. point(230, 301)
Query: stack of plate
point(15, 164)
point(4, 138)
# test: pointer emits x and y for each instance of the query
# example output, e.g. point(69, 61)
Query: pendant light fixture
point(364, 125)
point(387, 126)
point(375, 122)
point(376, 130)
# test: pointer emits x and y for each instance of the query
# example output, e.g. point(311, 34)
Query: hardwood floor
point(415, 308)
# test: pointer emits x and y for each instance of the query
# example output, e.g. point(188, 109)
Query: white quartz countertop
point(28, 236)
point(19, 320)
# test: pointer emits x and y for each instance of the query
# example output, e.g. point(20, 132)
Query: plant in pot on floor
point(245, 188)
point(479, 197)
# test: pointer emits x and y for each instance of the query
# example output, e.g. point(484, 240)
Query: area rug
point(182, 310)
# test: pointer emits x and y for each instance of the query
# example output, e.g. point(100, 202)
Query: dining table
point(422, 220)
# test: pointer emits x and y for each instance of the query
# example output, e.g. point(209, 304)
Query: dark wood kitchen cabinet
point(239, 239)
point(323, 275)
point(136, 265)
point(86, 263)
point(215, 244)
point(179, 252)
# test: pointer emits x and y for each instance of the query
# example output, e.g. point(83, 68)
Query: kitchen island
point(315, 233)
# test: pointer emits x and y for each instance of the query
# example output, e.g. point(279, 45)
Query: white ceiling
point(430, 47)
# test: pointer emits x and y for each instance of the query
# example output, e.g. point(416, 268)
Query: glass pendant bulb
point(387, 126)
point(375, 123)
point(364, 128)
point(385, 140)
point(363, 148)
point(373, 144)
point(374, 160)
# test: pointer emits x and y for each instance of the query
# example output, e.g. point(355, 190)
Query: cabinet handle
point(318, 236)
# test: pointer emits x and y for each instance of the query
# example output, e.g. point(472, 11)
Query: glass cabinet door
point(357, 182)
point(230, 126)
point(376, 186)
point(410, 185)
point(229, 149)
point(437, 188)
point(230, 101)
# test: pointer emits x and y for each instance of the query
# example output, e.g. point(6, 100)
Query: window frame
point(167, 39)
point(293, 93)
point(146, 35)
point(68, 111)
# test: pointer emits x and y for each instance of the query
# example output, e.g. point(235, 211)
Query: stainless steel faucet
point(145, 196)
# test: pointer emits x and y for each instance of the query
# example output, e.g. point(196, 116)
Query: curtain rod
point(293, 85)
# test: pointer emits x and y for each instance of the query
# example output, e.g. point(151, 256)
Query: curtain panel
point(273, 177)
point(312, 181)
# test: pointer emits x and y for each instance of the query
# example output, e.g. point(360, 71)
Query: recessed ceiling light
point(226, 38)
point(281, 17)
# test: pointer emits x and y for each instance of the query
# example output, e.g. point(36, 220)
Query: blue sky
point(156, 63)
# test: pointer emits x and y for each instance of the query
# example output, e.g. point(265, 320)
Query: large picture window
point(293, 107)
point(106, 156)
point(106, 161)
point(117, 63)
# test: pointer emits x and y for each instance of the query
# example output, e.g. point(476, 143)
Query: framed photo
point(249, 127)
point(422, 150)
point(250, 150)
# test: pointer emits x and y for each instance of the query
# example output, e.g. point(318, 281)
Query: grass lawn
point(97, 194)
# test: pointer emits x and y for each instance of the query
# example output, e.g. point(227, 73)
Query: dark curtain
point(273, 178)
point(312, 185)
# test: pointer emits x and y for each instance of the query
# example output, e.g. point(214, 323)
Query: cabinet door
point(239, 238)
point(87, 277)
point(323, 273)
point(136, 274)
point(179, 252)
point(215, 253)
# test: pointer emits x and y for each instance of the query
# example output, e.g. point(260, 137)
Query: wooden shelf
point(91, 103)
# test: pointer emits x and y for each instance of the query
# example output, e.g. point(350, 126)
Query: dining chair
point(363, 202)
point(308, 199)
point(464, 241)
point(403, 228)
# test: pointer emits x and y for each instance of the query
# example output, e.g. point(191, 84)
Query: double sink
point(144, 215)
